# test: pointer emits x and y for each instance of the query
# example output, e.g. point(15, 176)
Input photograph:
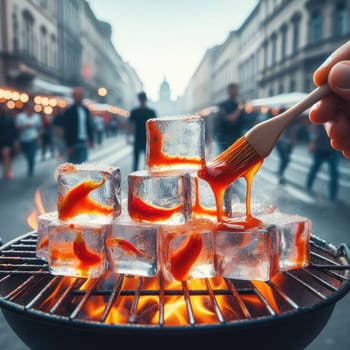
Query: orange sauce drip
point(197, 207)
point(77, 201)
point(156, 156)
point(220, 173)
point(85, 256)
point(140, 210)
point(301, 246)
point(182, 260)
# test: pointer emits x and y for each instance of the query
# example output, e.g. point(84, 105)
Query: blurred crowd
point(65, 134)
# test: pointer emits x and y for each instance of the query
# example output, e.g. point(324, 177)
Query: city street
point(330, 221)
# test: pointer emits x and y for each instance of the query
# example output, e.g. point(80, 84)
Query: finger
point(338, 128)
point(341, 144)
point(346, 154)
point(341, 54)
point(339, 79)
point(324, 110)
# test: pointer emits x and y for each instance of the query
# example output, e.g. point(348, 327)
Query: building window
point(28, 33)
point(296, 34)
point(315, 27)
point(15, 29)
point(284, 42)
point(292, 85)
point(43, 46)
point(281, 89)
point(273, 48)
point(53, 52)
point(341, 19)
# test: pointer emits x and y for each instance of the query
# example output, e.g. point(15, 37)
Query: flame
point(32, 218)
point(267, 292)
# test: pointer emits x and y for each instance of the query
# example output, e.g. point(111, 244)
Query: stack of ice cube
point(168, 223)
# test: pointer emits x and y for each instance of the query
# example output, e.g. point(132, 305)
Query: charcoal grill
point(303, 301)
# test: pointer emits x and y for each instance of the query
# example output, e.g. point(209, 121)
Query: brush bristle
point(240, 155)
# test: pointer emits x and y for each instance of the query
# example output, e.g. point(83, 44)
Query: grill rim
point(260, 321)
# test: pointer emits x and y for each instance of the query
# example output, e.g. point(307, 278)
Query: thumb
point(339, 79)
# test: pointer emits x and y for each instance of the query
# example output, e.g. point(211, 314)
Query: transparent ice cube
point(238, 209)
point(246, 253)
point(77, 250)
point(294, 233)
point(88, 191)
point(187, 251)
point(175, 143)
point(44, 220)
point(132, 247)
point(159, 197)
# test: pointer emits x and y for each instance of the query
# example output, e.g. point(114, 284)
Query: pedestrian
point(228, 123)
point(78, 128)
point(99, 127)
point(58, 134)
point(137, 125)
point(284, 148)
point(8, 139)
point(322, 151)
point(46, 136)
point(333, 110)
point(29, 126)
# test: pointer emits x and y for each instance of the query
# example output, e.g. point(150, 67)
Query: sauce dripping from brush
point(239, 160)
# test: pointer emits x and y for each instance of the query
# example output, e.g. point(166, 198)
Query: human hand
point(334, 110)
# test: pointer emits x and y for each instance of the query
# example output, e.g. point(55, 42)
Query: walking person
point(137, 126)
point(8, 138)
point(29, 126)
point(322, 151)
point(78, 128)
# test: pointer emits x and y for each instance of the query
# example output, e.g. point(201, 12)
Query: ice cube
point(187, 251)
point(239, 209)
point(132, 247)
point(294, 233)
point(88, 191)
point(175, 143)
point(245, 253)
point(77, 249)
point(159, 197)
point(44, 220)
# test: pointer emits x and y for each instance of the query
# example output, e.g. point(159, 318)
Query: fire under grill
point(56, 312)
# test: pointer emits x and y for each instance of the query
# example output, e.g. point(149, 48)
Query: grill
point(55, 312)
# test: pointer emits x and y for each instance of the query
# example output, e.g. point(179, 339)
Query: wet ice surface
point(175, 143)
point(77, 250)
point(294, 233)
point(44, 220)
point(132, 247)
point(88, 190)
point(159, 197)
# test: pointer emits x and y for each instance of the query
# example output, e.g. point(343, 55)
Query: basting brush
point(260, 140)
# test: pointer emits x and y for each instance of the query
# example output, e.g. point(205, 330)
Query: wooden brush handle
point(263, 136)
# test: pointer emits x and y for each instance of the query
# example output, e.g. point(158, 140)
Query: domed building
point(165, 106)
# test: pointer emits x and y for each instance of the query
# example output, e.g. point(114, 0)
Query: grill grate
point(26, 282)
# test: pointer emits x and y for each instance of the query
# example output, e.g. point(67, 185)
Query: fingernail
point(342, 81)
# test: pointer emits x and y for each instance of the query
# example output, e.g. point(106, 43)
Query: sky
point(168, 38)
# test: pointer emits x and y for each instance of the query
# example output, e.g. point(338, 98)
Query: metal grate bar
point(83, 300)
point(330, 267)
point(63, 296)
point(135, 302)
point(42, 292)
point(240, 302)
point(284, 295)
point(265, 302)
point(313, 290)
point(161, 300)
point(114, 295)
point(214, 301)
point(12, 295)
point(324, 258)
point(320, 280)
point(189, 308)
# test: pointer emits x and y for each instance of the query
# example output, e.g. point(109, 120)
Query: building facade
point(49, 46)
point(280, 44)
